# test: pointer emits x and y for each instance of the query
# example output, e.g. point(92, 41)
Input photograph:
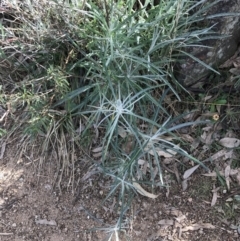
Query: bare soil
point(31, 208)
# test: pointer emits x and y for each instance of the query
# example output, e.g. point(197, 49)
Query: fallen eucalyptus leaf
point(96, 155)
point(141, 162)
point(180, 218)
point(229, 142)
point(97, 149)
point(160, 152)
point(215, 196)
point(227, 174)
point(197, 226)
point(238, 178)
point(166, 222)
point(190, 171)
point(3, 150)
point(122, 132)
point(142, 191)
point(184, 184)
point(235, 71)
point(214, 174)
point(223, 154)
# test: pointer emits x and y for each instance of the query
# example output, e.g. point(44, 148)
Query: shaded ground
point(32, 210)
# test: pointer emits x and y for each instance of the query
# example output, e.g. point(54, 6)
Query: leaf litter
point(213, 133)
point(168, 157)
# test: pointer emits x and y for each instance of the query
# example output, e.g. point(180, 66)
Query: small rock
point(48, 186)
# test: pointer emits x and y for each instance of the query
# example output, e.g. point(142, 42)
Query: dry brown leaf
point(209, 114)
point(203, 136)
point(236, 62)
point(167, 138)
point(227, 176)
point(168, 160)
point(168, 222)
point(97, 149)
point(214, 199)
point(176, 172)
point(195, 144)
point(224, 154)
point(141, 162)
point(46, 222)
point(112, 206)
point(215, 196)
point(160, 152)
point(190, 171)
point(180, 218)
point(187, 137)
point(176, 212)
point(208, 97)
point(97, 152)
point(155, 172)
point(89, 174)
point(214, 174)
point(122, 132)
point(224, 220)
point(145, 168)
point(167, 191)
point(80, 129)
point(142, 191)
point(226, 64)
point(229, 142)
point(190, 116)
point(238, 178)
point(233, 172)
point(208, 226)
point(210, 174)
point(128, 146)
point(184, 184)
point(178, 225)
point(96, 155)
point(235, 71)
point(218, 107)
point(180, 233)
point(199, 84)
point(197, 226)
point(96, 133)
point(173, 211)
point(155, 130)
point(230, 133)
point(207, 128)
point(209, 140)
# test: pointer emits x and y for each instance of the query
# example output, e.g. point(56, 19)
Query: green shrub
point(103, 66)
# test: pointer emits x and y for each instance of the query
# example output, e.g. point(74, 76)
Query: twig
point(6, 234)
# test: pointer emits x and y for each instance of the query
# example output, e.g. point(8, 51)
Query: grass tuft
point(72, 68)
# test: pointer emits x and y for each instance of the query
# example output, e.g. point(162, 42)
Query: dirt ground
point(32, 209)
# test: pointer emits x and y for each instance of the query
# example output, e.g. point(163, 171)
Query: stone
point(190, 72)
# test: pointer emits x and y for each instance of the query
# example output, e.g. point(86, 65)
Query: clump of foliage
point(71, 69)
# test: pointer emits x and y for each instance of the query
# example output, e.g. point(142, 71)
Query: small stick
point(5, 234)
